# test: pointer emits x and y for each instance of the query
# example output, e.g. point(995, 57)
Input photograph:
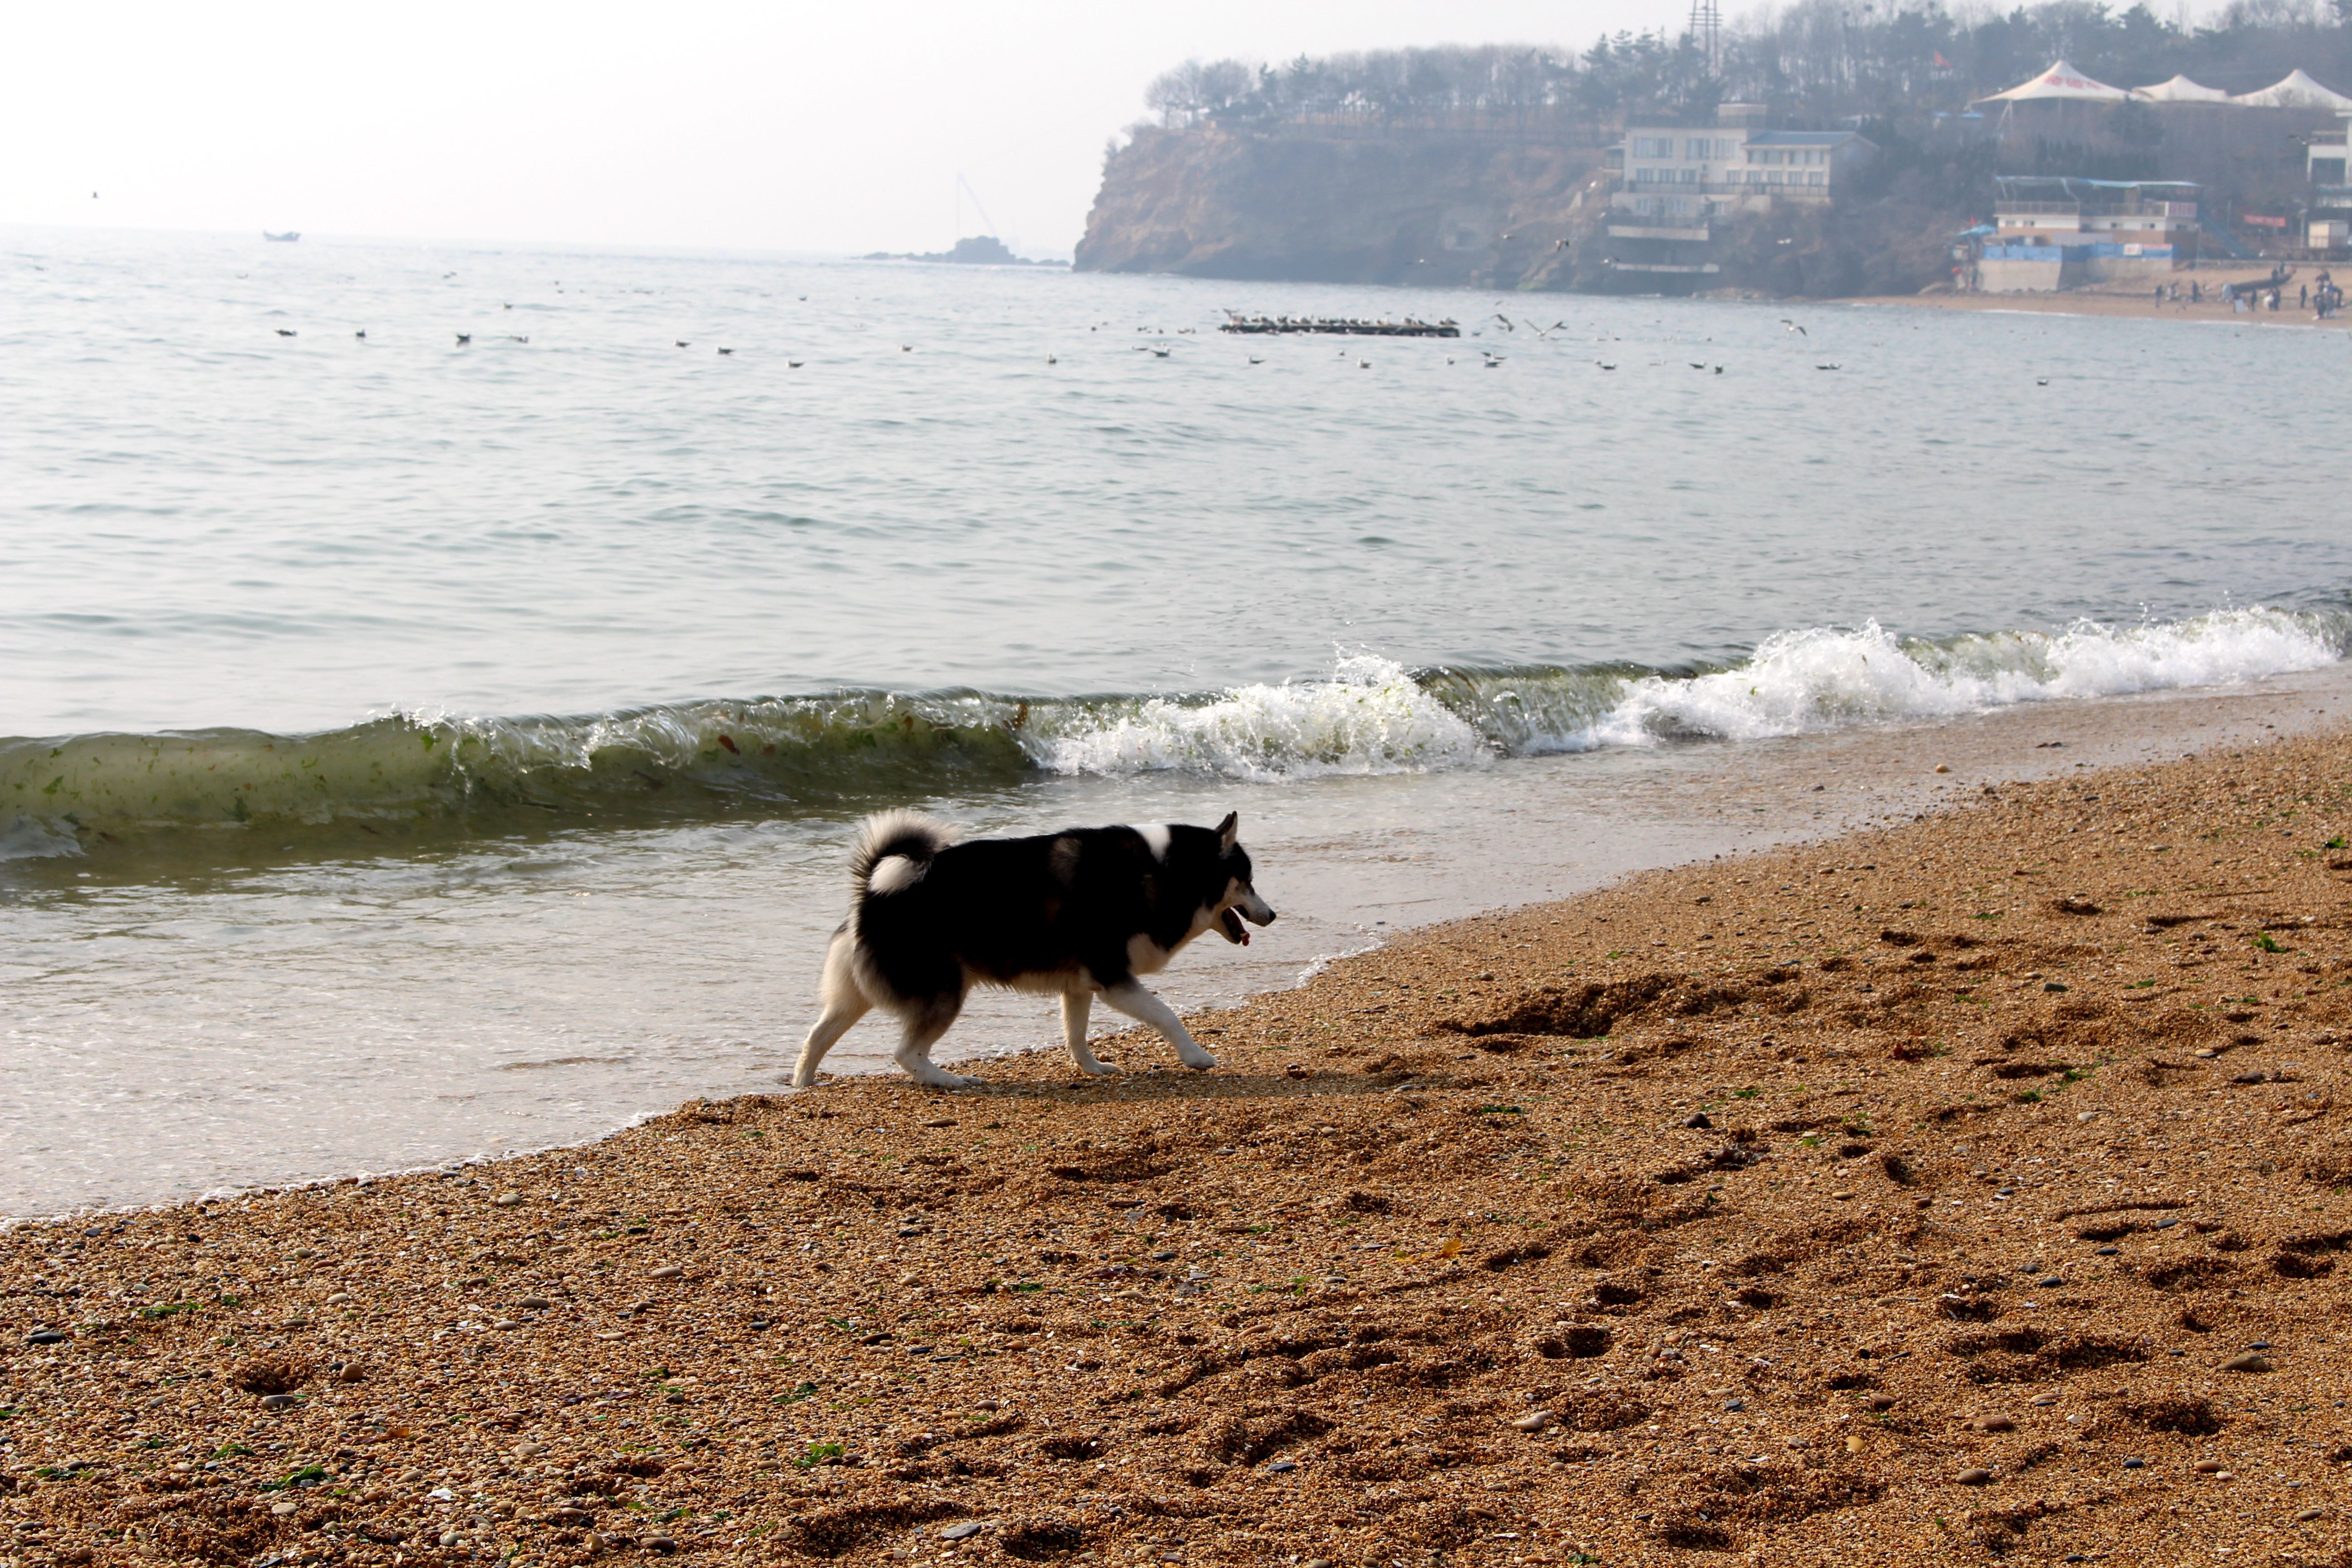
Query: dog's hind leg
point(1145, 1008)
point(1076, 1006)
point(845, 1004)
point(926, 1020)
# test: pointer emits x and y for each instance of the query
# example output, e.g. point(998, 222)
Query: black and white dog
point(1079, 914)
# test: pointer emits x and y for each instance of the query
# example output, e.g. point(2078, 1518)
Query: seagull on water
point(465, 338)
point(793, 363)
point(1794, 328)
point(727, 350)
point(286, 331)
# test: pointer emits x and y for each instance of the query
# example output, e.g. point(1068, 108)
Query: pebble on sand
point(2252, 1361)
point(1976, 1476)
point(1535, 1421)
point(666, 1271)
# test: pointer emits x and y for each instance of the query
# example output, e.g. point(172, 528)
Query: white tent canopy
point(2061, 80)
point(2180, 90)
point(2296, 91)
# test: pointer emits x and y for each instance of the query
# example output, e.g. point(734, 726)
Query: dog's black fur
point(1081, 913)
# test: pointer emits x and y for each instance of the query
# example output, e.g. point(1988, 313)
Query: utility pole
point(1707, 31)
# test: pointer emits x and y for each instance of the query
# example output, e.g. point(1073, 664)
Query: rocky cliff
point(1409, 207)
point(1434, 209)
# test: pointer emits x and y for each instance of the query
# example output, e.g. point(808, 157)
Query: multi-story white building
point(1691, 174)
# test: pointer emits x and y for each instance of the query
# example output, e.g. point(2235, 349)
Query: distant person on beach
point(2195, 293)
point(2303, 297)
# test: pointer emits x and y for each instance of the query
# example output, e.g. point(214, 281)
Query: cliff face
point(1423, 209)
point(1427, 208)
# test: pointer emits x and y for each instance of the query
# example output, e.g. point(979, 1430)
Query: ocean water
point(413, 747)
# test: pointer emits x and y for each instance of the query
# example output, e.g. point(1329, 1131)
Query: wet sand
point(1970, 1186)
point(2119, 299)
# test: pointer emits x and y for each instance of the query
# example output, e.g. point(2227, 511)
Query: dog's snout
point(1257, 911)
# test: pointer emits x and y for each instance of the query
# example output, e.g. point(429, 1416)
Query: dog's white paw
point(1200, 1062)
point(1098, 1068)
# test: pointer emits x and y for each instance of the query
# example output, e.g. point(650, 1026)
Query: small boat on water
point(288, 238)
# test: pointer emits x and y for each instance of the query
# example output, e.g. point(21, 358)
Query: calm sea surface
point(436, 684)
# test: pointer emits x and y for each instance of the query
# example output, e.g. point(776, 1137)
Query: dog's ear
point(1229, 831)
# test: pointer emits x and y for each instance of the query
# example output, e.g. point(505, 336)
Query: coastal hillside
point(1409, 207)
point(1413, 207)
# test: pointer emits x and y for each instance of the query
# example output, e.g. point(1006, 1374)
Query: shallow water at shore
point(411, 749)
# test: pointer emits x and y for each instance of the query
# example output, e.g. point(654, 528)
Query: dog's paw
point(1098, 1068)
point(1200, 1062)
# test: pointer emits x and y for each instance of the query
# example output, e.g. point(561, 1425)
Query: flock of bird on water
point(1236, 322)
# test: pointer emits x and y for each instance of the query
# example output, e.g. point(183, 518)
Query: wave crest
point(1369, 716)
point(1823, 679)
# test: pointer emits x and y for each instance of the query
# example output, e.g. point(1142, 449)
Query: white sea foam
point(1824, 679)
point(1370, 717)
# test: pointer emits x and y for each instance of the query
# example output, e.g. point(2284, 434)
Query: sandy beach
point(1967, 1188)
point(2117, 299)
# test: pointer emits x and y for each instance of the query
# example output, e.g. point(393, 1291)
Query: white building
point(2324, 154)
point(1681, 176)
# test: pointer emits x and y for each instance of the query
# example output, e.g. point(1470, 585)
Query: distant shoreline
point(2139, 303)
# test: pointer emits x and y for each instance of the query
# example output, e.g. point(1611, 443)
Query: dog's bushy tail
point(907, 836)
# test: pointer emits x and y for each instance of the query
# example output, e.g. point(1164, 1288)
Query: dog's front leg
point(1145, 1008)
point(1076, 1006)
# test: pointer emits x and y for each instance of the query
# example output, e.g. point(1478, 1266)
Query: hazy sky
point(778, 126)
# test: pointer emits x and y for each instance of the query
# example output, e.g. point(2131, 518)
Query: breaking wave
point(1369, 716)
